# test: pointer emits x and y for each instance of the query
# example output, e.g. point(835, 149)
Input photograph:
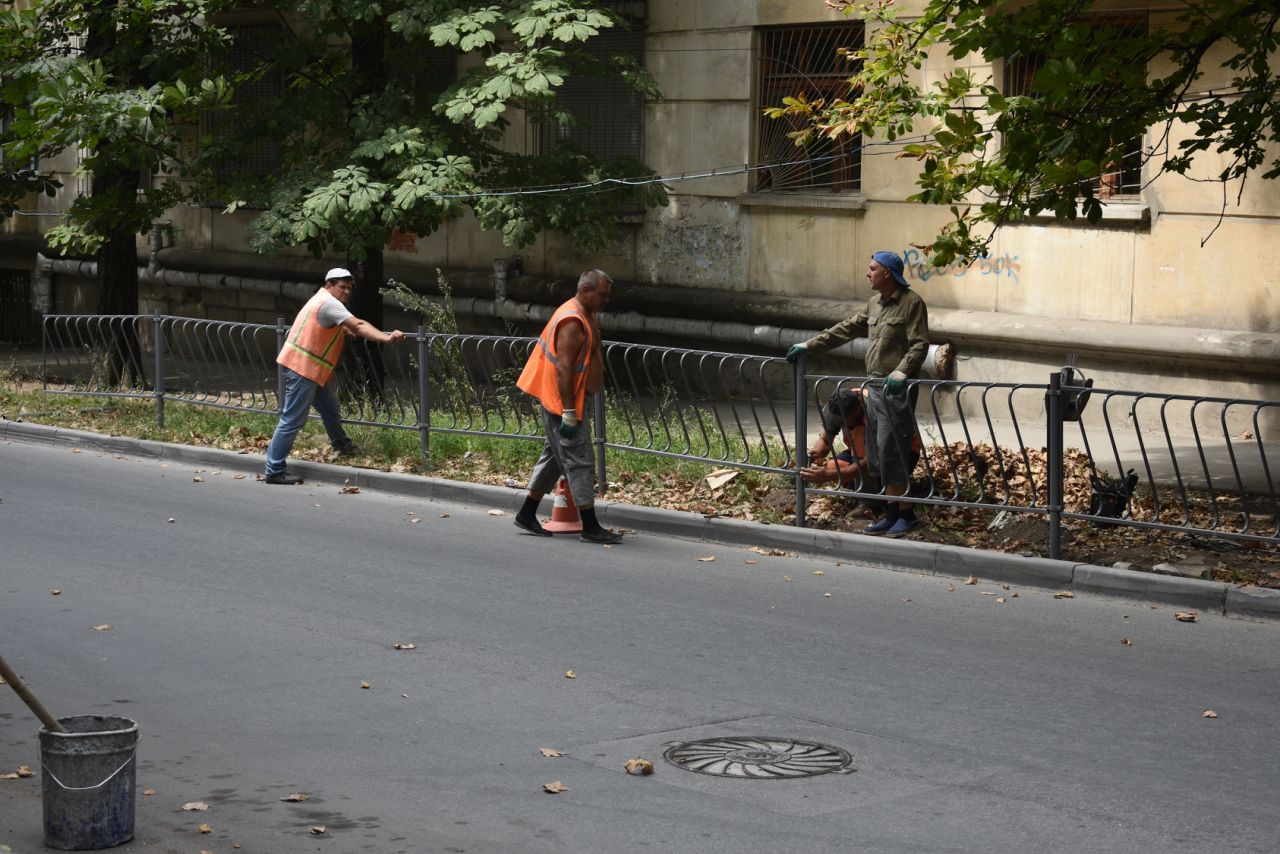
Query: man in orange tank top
point(308, 358)
point(566, 365)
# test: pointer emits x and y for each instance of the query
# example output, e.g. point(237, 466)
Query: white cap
point(338, 273)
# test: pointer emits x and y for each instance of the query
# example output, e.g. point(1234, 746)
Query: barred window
point(1124, 183)
point(796, 61)
point(606, 112)
point(252, 102)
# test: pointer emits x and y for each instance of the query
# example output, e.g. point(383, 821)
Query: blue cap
point(891, 262)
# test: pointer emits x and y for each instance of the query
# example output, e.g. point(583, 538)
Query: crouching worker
point(309, 357)
point(565, 366)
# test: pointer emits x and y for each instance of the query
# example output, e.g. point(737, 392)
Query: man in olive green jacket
point(895, 323)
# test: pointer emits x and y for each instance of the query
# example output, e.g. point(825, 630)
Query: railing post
point(424, 395)
point(158, 335)
point(281, 329)
point(799, 457)
point(597, 415)
point(1053, 404)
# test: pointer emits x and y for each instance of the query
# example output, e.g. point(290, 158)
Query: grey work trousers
point(568, 457)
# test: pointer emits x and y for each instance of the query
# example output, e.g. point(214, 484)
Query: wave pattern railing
point(1203, 465)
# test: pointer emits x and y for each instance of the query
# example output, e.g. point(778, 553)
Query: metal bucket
point(88, 780)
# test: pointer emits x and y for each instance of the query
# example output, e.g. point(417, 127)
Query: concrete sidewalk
point(906, 555)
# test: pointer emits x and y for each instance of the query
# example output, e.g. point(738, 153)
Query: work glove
point(569, 424)
point(895, 384)
point(796, 350)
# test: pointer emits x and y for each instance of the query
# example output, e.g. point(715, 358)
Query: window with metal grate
point(1122, 183)
point(17, 312)
point(805, 61)
point(250, 45)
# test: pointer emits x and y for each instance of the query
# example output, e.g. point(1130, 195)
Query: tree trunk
point(118, 285)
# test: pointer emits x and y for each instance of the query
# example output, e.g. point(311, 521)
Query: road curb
point(904, 555)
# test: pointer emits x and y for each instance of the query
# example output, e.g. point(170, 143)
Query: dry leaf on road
point(197, 479)
point(751, 562)
point(1064, 594)
point(550, 752)
point(1209, 713)
point(404, 646)
point(1126, 641)
point(818, 572)
point(639, 767)
point(826, 595)
point(148, 792)
point(971, 580)
point(295, 797)
point(172, 520)
point(569, 674)
point(444, 515)
point(56, 592)
point(707, 559)
point(349, 490)
point(951, 588)
point(554, 788)
point(786, 578)
point(195, 805)
point(317, 829)
point(770, 552)
point(497, 512)
point(204, 828)
point(102, 628)
point(1185, 616)
point(999, 600)
point(365, 685)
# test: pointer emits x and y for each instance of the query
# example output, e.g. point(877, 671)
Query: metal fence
point(1172, 462)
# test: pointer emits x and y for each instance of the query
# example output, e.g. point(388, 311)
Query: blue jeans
point(300, 394)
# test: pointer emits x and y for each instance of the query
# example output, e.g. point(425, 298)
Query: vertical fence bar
point(44, 354)
point(597, 414)
point(280, 333)
point(798, 456)
point(424, 396)
point(158, 335)
point(1053, 405)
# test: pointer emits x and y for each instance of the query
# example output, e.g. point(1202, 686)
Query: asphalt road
point(245, 618)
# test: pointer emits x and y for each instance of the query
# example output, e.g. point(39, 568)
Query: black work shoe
point(601, 536)
point(349, 450)
point(533, 527)
point(284, 478)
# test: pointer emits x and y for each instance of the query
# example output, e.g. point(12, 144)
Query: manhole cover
point(758, 758)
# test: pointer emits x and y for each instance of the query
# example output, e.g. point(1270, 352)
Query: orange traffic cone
point(564, 513)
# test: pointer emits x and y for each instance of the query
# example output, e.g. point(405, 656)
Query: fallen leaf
point(971, 580)
point(1004, 586)
point(317, 829)
point(365, 685)
point(707, 559)
point(295, 797)
point(12, 775)
point(638, 767)
point(569, 674)
point(195, 805)
point(754, 562)
point(720, 477)
point(555, 788)
point(770, 552)
point(202, 851)
point(414, 521)
point(951, 588)
point(818, 572)
point(406, 696)
point(56, 592)
point(444, 515)
point(172, 520)
point(102, 628)
point(786, 578)
point(999, 600)
point(1126, 641)
point(77, 450)
point(197, 479)
point(988, 593)
point(404, 646)
point(497, 512)
point(204, 828)
point(826, 595)
point(1064, 594)
point(241, 477)
point(349, 490)
point(550, 752)
point(1209, 713)
point(1247, 434)
point(1185, 616)
point(148, 792)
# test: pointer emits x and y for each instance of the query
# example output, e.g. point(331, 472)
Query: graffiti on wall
point(996, 265)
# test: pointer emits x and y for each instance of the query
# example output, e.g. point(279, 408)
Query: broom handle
point(49, 721)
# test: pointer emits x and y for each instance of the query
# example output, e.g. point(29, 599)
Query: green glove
point(568, 424)
point(895, 383)
point(796, 350)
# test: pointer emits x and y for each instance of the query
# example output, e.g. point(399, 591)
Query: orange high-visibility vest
point(539, 375)
point(310, 349)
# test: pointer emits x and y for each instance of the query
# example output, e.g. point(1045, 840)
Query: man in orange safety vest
point(565, 366)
